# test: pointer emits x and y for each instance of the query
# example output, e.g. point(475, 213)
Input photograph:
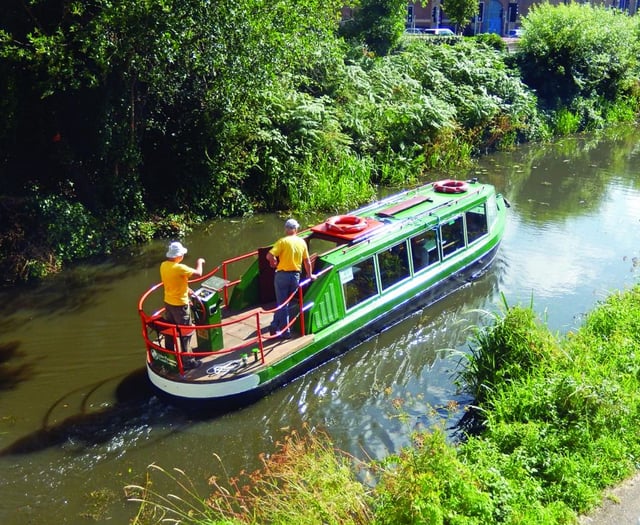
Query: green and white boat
point(374, 267)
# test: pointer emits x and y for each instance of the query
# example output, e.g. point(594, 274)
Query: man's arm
point(273, 261)
point(308, 268)
point(199, 267)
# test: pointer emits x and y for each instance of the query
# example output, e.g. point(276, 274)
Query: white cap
point(291, 224)
point(175, 250)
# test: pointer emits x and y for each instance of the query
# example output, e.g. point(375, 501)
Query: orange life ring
point(450, 186)
point(346, 223)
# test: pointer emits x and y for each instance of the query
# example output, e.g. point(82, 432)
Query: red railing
point(154, 323)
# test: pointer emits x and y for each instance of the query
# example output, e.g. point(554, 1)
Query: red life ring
point(346, 223)
point(450, 186)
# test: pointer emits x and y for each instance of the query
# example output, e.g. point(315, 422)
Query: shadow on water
point(88, 427)
point(137, 404)
point(71, 291)
point(12, 375)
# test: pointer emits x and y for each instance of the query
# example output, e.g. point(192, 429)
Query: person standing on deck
point(287, 256)
point(175, 277)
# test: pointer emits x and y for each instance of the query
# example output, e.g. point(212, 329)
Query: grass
point(330, 184)
point(307, 482)
point(556, 421)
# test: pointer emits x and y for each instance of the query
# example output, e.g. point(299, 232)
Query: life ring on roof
point(450, 186)
point(346, 223)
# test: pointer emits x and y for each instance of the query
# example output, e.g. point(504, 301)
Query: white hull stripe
point(204, 390)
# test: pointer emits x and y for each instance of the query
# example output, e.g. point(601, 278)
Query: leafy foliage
point(427, 483)
point(125, 112)
point(578, 50)
point(461, 12)
point(557, 414)
point(377, 23)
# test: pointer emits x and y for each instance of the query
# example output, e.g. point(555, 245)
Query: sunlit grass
point(332, 185)
point(306, 482)
point(562, 414)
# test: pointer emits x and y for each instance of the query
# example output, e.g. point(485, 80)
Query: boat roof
point(426, 203)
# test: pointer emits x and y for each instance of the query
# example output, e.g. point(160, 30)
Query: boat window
point(359, 282)
point(492, 210)
point(424, 250)
point(394, 265)
point(476, 223)
point(452, 236)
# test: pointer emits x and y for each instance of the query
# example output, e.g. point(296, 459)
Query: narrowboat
point(373, 267)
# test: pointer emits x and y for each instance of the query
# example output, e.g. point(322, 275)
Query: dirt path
point(621, 505)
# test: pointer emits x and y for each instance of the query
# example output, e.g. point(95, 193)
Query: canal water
point(78, 421)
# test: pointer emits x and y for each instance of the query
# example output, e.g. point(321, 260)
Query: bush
point(428, 484)
point(578, 50)
point(492, 40)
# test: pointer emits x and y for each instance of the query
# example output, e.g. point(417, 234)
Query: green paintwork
point(328, 318)
point(246, 292)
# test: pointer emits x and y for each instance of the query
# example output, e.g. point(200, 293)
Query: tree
point(378, 23)
point(127, 101)
point(461, 12)
point(578, 50)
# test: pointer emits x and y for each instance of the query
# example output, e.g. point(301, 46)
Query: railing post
point(260, 343)
point(301, 311)
point(225, 274)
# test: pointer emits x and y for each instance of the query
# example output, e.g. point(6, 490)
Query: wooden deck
point(240, 332)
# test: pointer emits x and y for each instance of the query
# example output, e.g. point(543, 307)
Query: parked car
point(515, 33)
point(413, 31)
point(438, 31)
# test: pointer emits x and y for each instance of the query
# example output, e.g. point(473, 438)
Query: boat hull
point(226, 395)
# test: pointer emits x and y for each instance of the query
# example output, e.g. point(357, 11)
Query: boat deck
point(239, 333)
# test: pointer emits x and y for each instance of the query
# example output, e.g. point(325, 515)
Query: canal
point(78, 421)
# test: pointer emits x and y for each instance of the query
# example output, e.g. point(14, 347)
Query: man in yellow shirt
point(175, 277)
point(287, 256)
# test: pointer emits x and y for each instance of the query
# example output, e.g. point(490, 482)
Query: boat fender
point(450, 186)
point(346, 223)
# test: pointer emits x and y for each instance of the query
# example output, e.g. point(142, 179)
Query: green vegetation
point(556, 421)
point(569, 53)
point(376, 24)
point(314, 484)
point(461, 12)
point(125, 121)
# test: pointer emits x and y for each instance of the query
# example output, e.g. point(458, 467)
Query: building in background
point(494, 16)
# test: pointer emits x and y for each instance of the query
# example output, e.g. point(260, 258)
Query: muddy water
point(78, 421)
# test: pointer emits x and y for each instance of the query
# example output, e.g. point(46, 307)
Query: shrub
point(427, 483)
point(578, 50)
point(509, 349)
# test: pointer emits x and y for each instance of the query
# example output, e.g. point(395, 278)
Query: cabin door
point(265, 278)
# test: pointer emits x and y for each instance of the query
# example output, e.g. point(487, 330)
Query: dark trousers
point(179, 315)
point(285, 283)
